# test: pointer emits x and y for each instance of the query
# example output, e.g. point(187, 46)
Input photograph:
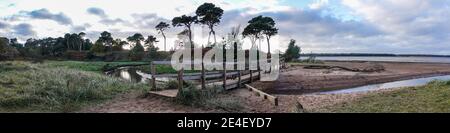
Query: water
point(134, 75)
point(383, 58)
point(128, 73)
point(389, 85)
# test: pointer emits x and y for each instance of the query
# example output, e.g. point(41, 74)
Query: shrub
point(172, 84)
point(208, 97)
point(137, 53)
point(292, 52)
point(98, 47)
point(6, 51)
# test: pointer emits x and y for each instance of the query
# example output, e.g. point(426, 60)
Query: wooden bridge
point(227, 79)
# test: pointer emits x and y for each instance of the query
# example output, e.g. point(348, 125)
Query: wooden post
point(153, 73)
point(180, 79)
point(203, 77)
point(251, 76)
point(239, 79)
point(224, 72)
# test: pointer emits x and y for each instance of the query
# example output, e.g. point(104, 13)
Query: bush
point(137, 53)
point(208, 98)
point(292, 52)
point(7, 52)
point(98, 48)
point(172, 84)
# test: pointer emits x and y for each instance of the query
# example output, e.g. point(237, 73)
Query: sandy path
point(151, 103)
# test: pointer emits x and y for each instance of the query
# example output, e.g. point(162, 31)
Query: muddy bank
point(300, 80)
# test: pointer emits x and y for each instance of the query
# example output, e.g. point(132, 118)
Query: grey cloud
point(24, 29)
point(105, 19)
point(97, 11)
point(3, 25)
point(147, 21)
point(313, 22)
point(108, 21)
point(45, 14)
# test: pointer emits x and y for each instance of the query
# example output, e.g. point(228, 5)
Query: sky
point(318, 26)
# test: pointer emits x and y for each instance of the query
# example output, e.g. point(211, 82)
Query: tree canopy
point(292, 52)
point(136, 38)
point(161, 27)
point(210, 15)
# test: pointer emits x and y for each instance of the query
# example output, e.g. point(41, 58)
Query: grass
point(95, 66)
point(161, 69)
point(208, 98)
point(56, 86)
point(431, 98)
point(99, 66)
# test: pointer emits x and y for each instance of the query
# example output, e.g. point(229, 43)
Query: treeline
point(75, 46)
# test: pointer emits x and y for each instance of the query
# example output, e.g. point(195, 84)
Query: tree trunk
point(268, 45)
point(164, 36)
point(81, 45)
point(214, 33)
point(192, 47)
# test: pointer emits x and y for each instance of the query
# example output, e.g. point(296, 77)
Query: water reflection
point(134, 75)
point(128, 73)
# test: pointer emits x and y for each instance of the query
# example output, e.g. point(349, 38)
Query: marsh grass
point(431, 98)
point(48, 87)
point(209, 98)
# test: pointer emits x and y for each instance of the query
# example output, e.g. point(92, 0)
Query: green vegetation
point(431, 98)
point(208, 98)
point(259, 26)
point(6, 51)
point(28, 87)
point(97, 66)
point(209, 15)
point(292, 52)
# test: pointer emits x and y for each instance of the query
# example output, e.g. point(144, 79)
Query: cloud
point(147, 20)
point(80, 28)
point(24, 29)
point(318, 4)
point(97, 11)
point(3, 25)
point(420, 25)
point(104, 18)
point(45, 14)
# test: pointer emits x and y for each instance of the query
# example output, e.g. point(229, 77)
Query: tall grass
point(209, 98)
point(45, 87)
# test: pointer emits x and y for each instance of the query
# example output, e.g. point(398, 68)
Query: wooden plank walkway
point(231, 84)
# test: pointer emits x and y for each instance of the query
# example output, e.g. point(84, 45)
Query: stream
point(388, 85)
